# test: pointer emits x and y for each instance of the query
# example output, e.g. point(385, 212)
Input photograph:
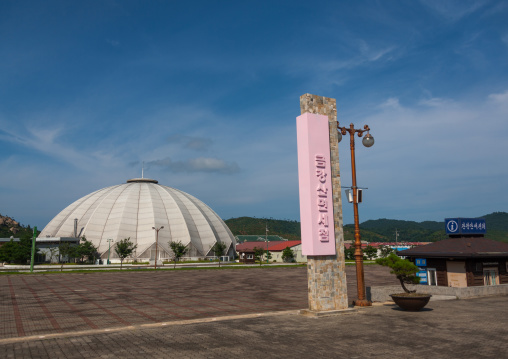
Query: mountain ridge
point(378, 230)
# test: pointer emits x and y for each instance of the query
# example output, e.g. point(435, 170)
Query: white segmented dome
point(132, 209)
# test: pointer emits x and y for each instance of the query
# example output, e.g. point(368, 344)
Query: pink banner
point(315, 178)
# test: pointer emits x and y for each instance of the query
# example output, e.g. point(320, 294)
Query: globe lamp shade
point(368, 140)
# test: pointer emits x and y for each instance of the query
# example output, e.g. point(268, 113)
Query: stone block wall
point(326, 275)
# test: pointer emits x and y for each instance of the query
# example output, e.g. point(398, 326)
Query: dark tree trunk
point(403, 285)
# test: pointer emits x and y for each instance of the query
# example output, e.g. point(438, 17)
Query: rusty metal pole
point(360, 279)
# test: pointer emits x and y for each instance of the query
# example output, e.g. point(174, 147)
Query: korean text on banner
point(315, 181)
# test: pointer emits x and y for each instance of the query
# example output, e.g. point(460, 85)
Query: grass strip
point(89, 271)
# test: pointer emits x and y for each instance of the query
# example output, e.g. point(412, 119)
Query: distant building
point(241, 238)
point(462, 262)
point(295, 246)
point(246, 250)
point(131, 210)
point(396, 246)
point(49, 248)
point(466, 259)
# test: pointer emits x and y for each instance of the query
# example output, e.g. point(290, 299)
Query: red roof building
point(246, 250)
point(279, 247)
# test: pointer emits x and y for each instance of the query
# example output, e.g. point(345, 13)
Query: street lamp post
point(266, 240)
point(367, 141)
point(156, 242)
point(109, 249)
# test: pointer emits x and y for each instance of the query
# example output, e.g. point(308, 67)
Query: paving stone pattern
point(471, 328)
point(61, 303)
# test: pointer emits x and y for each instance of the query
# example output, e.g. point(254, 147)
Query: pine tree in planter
point(405, 271)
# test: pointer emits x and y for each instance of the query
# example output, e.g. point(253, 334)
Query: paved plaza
point(59, 303)
point(247, 313)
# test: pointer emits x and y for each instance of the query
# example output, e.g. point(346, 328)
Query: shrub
point(404, 270)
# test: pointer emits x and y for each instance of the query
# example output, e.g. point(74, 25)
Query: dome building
point(132, 210)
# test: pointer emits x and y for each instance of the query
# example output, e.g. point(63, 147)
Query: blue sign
point(423, 276)
point(465, 226)
point(421, 262)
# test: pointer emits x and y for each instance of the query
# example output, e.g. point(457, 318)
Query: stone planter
point(411, 302)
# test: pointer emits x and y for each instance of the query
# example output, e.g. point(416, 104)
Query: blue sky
point(207, 92)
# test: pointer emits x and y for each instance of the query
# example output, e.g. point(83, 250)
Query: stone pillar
point(326, 275)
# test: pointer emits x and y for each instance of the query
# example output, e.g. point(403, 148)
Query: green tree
point(89, 250)
point(24, 249)
point(124, 248)
point(385, 251)
point(268, 256)
point(218, 249)
point(288, 255)
point(370, 252)
point(349, 253)
point(67, 250)
point(8, 250)
point(76, 253)
point(18, 252)
point(404, 270)
point(85, 249)
point(178, 249)
point(258, 255)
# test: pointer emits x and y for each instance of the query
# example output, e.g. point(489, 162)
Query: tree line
point(263, 255)
point(379, 230)
point(85, 251)
point(369, 252)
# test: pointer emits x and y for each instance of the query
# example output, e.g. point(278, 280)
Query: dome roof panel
point(132, 209)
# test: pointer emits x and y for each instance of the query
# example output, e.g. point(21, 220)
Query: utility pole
point(266, 240)
point(109, 249)
point(157, 243)
point(33, 251)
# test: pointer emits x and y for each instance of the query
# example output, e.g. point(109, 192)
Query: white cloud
point(366, 54)
point(392, 102)
point(325, 72)
point(454, 10)
point(501, 98)
point(200, 164)
point(436, 102)
point(433, 157)
point(44, 141)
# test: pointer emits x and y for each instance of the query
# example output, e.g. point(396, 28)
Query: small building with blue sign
point(465, 259)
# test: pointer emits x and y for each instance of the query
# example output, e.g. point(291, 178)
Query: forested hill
point(497, 228)
point(257, 226)
point(11, 228)
point(379, 230)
